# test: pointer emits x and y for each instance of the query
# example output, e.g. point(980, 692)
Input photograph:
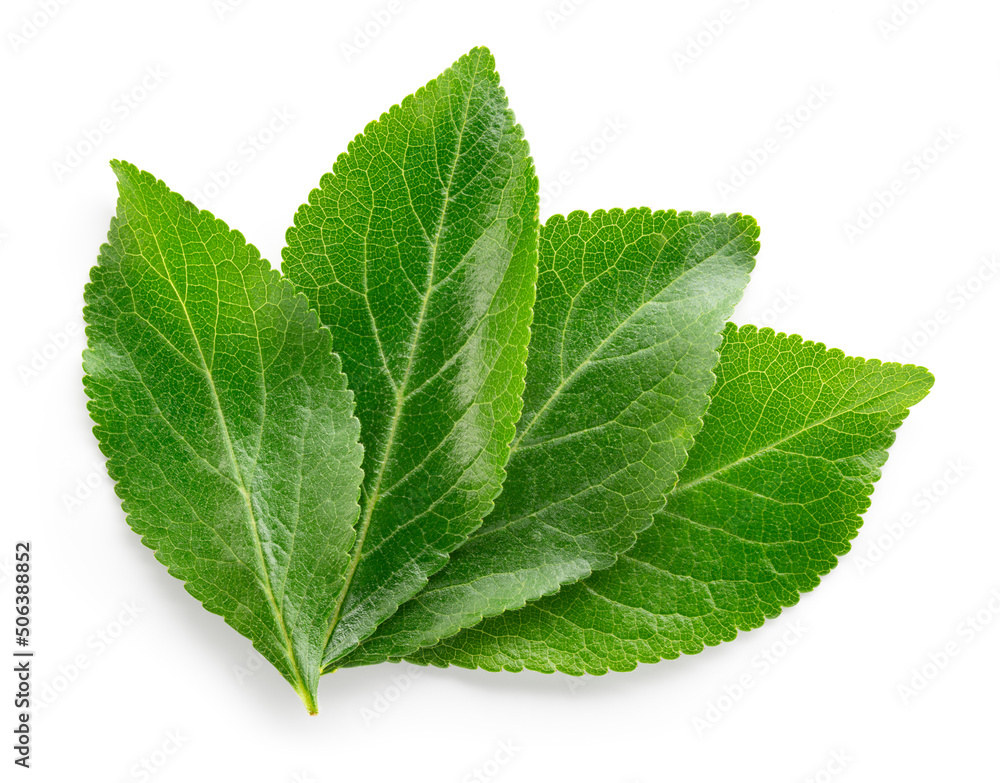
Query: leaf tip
point(481, 54)
point(124, 171)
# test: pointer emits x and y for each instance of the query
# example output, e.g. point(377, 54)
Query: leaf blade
point(226, 421)
point(628, 316)
point(773, 537)
point(419, 252)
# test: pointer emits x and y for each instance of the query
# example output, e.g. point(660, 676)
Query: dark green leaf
point(627, 321)
point(419, 251)
point(771, 495)
point(226, 421)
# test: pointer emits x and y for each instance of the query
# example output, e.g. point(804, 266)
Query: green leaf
point(226, 421)
point(663, 486)
point(627, 321)
point(771, 495)
point(419, 251)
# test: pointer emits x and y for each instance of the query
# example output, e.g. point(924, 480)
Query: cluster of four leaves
point(450, 435)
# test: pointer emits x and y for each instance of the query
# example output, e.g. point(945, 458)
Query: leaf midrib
point(400, 391)
point(588, 360)
point(771, 446)
point(265, 577)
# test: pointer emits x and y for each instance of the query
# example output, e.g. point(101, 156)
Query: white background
point(573, 72)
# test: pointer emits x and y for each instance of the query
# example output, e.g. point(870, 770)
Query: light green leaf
point(627, 321)
point(419, 251)
point(771, 495)
point(226, 421)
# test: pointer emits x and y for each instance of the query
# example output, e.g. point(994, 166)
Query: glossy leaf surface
point(771, 496)
point(226, 421)
point(419, 251)
point(627, 320)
